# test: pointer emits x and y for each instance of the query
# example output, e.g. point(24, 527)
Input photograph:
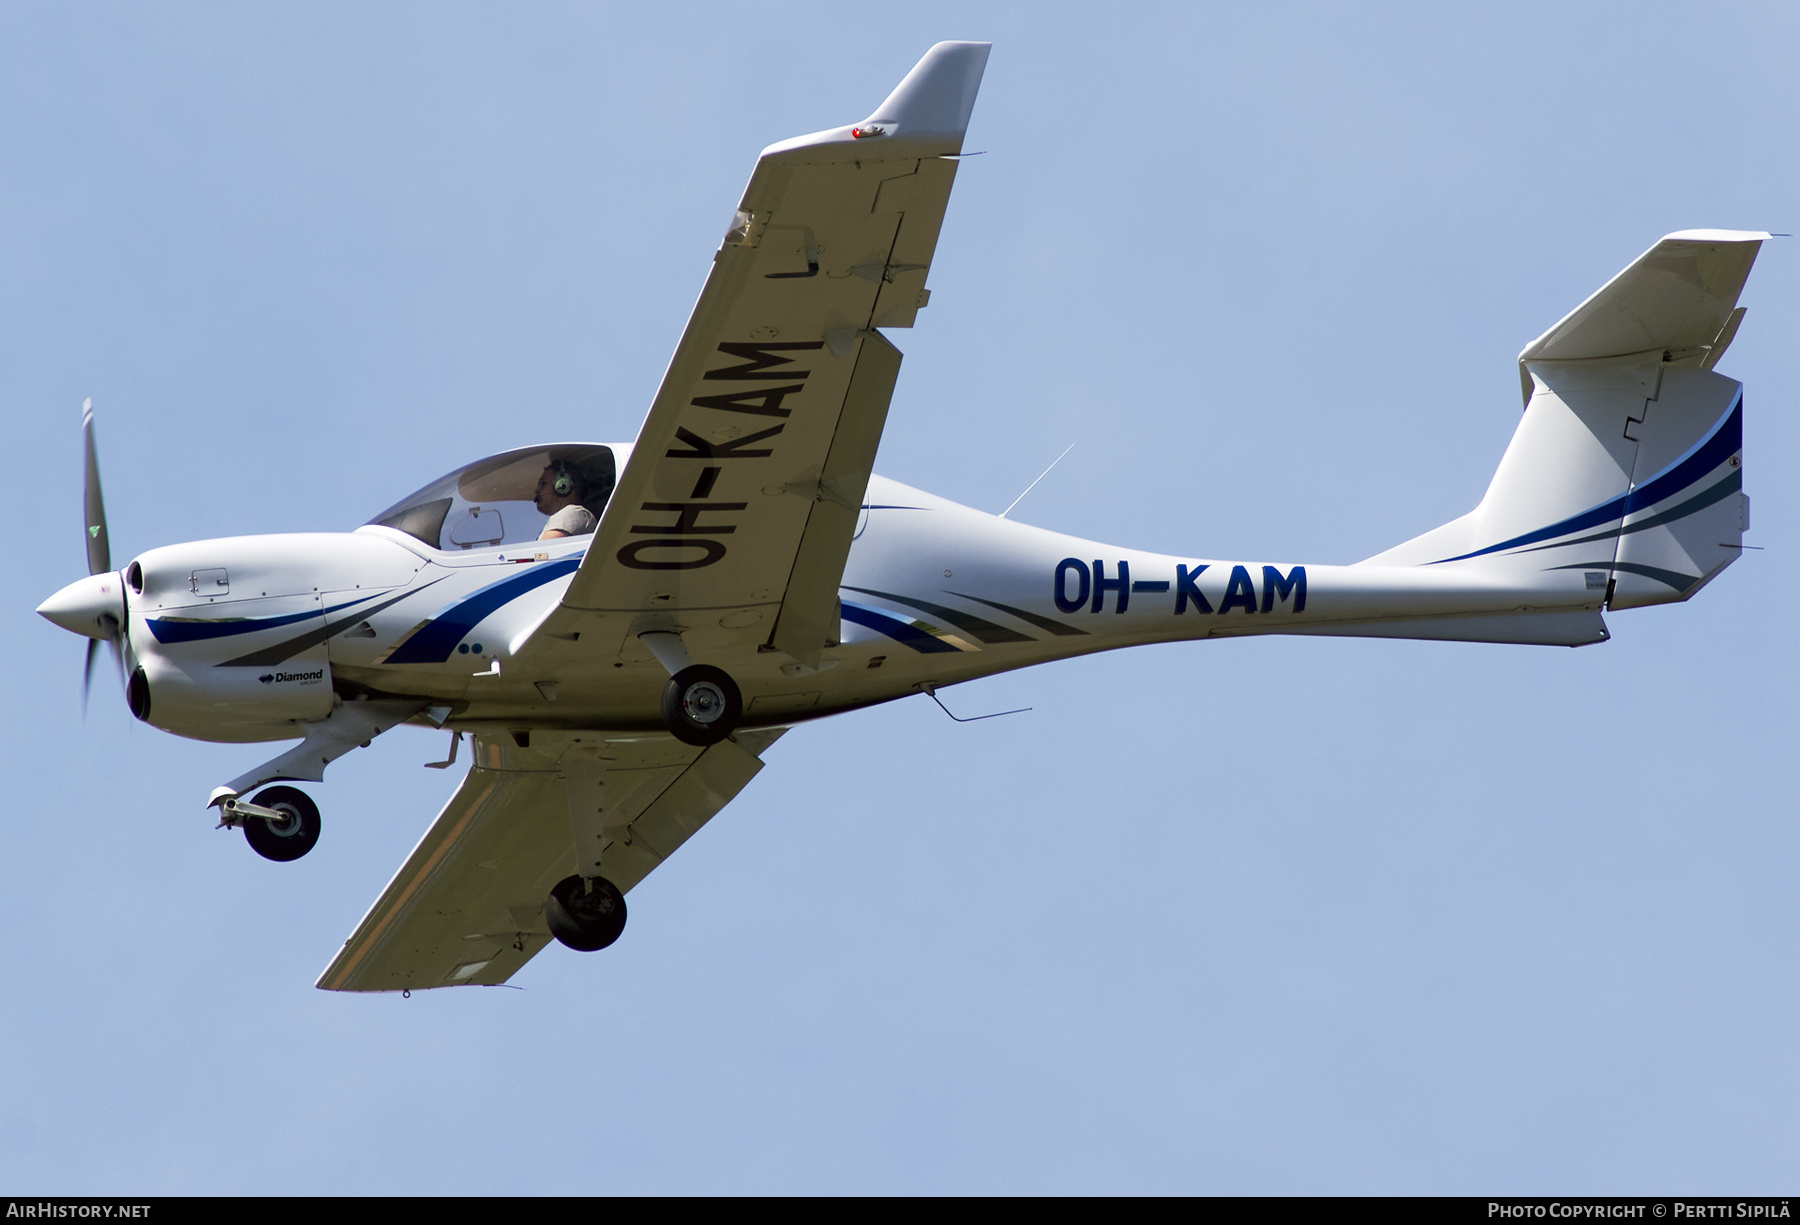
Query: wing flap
point(677, 808)
point(808, 619)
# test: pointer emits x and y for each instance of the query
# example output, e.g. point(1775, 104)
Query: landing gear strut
point(701, 705)
point(587, 915)
point(289, 833)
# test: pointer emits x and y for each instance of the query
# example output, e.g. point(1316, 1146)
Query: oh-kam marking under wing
point(734, 515)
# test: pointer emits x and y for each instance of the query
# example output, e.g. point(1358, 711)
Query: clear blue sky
point(1248, 916)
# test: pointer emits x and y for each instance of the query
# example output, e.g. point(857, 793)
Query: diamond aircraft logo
point(270, 678)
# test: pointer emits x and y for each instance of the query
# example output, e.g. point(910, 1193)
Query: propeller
point(93, 607)
point(99, 546)
point(93, 506)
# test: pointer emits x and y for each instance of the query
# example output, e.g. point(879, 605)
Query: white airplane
point(623, 630)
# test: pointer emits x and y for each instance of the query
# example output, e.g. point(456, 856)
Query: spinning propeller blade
point(87, 673)
point(99, 549)
point(93, 506)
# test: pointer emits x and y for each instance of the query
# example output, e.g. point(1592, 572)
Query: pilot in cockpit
point(559, 494)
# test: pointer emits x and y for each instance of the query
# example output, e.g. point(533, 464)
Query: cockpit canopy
point(491, 502)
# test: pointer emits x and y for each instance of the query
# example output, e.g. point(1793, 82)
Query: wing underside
point(466, 908)
point(733, 518)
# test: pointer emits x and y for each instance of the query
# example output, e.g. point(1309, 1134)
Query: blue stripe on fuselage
point(168, 631)
point(1726, 440)
point(898, 630)
point(434, 643)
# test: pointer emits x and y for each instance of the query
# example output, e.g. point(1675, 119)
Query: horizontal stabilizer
point(1678, 295)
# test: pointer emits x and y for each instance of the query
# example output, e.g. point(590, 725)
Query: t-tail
point(1624, 481)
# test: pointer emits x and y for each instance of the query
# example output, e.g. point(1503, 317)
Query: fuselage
point(247, 638)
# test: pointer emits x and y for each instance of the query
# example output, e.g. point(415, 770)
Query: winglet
point(937, 96)
point(926, 115)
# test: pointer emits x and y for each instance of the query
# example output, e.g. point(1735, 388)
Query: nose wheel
point(701, 705)
point(291, 832)
point(585, 918)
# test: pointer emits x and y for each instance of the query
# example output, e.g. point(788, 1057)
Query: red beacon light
point(863, 133)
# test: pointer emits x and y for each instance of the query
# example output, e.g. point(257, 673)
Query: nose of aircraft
point(93, 607)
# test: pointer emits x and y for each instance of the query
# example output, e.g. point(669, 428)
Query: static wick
point(1033, 485)
point(931, 692)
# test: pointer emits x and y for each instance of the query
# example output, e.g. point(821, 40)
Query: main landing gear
point(701, 705)
point(587, 915)
point(280, 823)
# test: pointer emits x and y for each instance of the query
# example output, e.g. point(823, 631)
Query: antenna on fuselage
point(1033, 485)
point(930, 691)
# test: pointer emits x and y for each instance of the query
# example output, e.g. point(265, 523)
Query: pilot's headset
point(566, 480)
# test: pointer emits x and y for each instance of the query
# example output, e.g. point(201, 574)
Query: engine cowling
point(226, 639)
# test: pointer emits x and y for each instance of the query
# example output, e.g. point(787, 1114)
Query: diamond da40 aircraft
point(623, 630)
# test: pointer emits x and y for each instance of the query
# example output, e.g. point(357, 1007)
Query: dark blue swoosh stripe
point(899, 631)
point(1726, 440)
point(169, 632)
point(1718, 492)
point(433, 643)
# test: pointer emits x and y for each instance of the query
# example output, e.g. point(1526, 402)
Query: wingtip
point(926, 114)
point(938, 95)
point(1717, 236)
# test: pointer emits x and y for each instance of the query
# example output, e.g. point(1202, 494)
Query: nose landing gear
point(587, 915)
point(280, 823)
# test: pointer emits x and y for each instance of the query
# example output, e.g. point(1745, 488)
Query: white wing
point(466, 906)
point(741, 495)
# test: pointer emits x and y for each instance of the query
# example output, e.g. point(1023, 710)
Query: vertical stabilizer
point(1623, 482)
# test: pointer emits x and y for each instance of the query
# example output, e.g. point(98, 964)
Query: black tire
point(585, 920)
point(288, 840)
point(701, 705)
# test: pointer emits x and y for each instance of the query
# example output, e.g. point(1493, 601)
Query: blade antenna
point(1021, 498)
